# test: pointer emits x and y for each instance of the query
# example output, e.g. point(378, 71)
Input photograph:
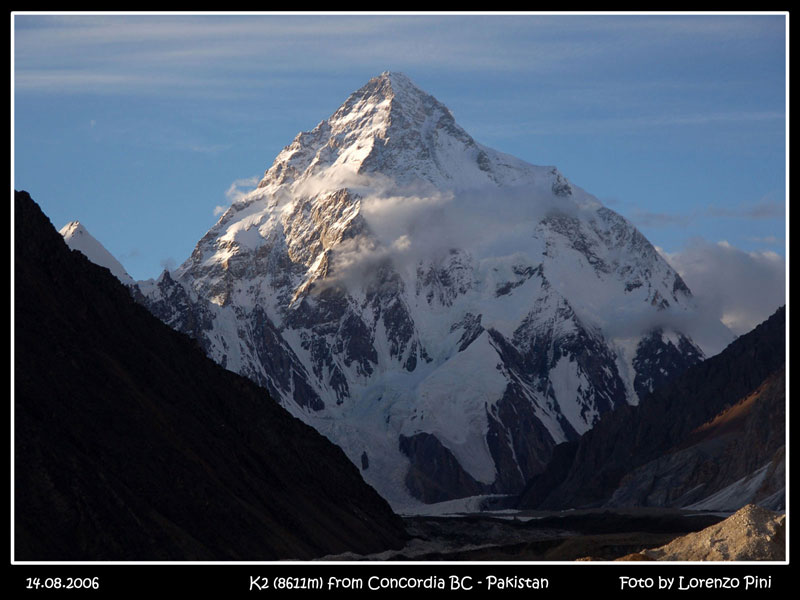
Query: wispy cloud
point(132, 253)
point(237, 190)
point(763, 209)
point(603, 124)
point(657, 219)
point(168, 263)
point(768, 239)
point(128, 48)
point(87, 81)
point(740, 288)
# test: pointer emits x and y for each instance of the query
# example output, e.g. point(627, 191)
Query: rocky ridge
point(753, 533)
point(735, 458)
point(712, 439)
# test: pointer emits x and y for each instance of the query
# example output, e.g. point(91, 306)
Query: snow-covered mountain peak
point(392, 128)
point(73, 228)
point(445, 312)
point(78, 238)
point(390, 101)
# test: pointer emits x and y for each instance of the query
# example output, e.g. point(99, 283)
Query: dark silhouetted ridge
point(130, 444)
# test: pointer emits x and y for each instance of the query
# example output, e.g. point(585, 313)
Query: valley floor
point(601, 534)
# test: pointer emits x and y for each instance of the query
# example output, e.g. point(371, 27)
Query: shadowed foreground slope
point(130, 444)
point(690, 409)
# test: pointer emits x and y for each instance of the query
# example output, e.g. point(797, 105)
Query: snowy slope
point(78, 238)
point(444, 312)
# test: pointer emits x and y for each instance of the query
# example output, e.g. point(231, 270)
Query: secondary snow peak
point(77, 237)
point(73, 228)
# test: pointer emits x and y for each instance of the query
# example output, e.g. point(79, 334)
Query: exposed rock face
point(434, 471)
point(751, 534)
point(393, 280)
point(734, 459)
point(721, 421)
point(656, 364)
point(130, 444)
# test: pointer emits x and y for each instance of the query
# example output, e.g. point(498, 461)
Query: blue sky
point(141, 126)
